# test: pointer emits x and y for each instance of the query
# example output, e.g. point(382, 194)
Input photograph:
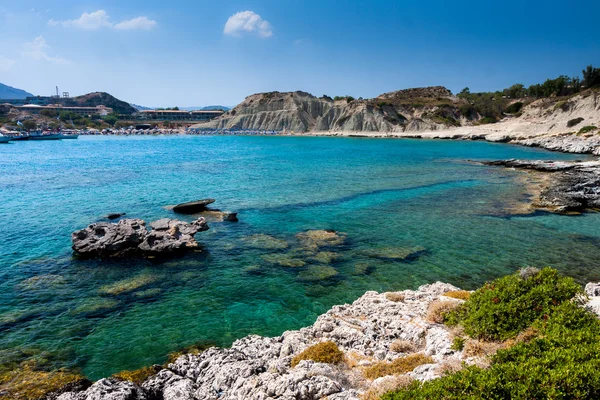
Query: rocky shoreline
point(377, 330)
point(572, 186)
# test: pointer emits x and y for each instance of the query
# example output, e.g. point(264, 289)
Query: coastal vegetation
point(586, 129)
point(492, 105)
point(544, 344)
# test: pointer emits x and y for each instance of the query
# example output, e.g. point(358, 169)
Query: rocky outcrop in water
point(573, 185)
point(130, 237)
point(405, 110)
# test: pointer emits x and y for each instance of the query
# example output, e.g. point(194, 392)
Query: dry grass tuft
point(527, 335)
point(138, 376)
point(477, 348)
point(402, 346)
point(395, 297)
point(458, 294)
point(353, 359)
point(438, 309)
point(450, 367)
point(392, 383)
point(400, 365)
point(324, 352)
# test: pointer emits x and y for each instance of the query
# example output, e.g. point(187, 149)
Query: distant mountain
point(212, 108)
point(9, 92)
point(191, 108)
point(101, 98)
point(140, 108)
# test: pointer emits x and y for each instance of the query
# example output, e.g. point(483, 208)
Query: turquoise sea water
point(384, 194)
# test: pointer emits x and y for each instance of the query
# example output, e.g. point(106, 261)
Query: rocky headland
point(559, 124)
point(380, 342)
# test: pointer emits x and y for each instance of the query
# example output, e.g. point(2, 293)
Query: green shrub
point(487, 120)
point(563, 105)
point(325, 352)
point(587, 129)
point(574, 122)
point(561, 363)
point(514, 107)
point(458, 343)
point(501, 309)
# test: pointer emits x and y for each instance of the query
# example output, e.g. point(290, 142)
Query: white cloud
point(247, 22)
point(6, 63)
point(100, 19)
point(139, 23)
point(38, 50)
point(95, 20)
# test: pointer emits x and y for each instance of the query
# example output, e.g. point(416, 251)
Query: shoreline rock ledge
point(375, 329)
point(130, 237)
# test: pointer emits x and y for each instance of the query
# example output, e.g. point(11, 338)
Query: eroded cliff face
point(406, 110)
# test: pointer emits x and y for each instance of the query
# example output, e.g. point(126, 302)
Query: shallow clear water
point(381, 193)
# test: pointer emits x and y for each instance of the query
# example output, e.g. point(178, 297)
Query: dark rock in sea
point(106, 239)
point(574, 186)
point(130, 237)
point(193, 207)
point(230, 217)
point(115, 215)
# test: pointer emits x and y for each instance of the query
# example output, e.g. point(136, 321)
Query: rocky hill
point(9, 92)
point(101, 98)
point(418, 109)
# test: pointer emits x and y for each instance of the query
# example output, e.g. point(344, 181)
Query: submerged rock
point(192, 207)
point(324, 257)
point(41, 282)
point(265, 242)
point(131, 237)
point(128, 285)
point(219, 216)
point(321, 238)
point(363, 268)
point(97, 305)
point(317, 273)
point(283, 260)
point(395, 253)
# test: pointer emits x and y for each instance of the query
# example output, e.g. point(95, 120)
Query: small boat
point(44, 136)
point(69, 136)
point(4, 139)
point(18, 138)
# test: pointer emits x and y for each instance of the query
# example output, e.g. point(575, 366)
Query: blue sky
point(159, 53)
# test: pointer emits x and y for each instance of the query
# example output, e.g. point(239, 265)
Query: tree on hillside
point(516, 91)
point(591, 76)
point(111, 119)
point(29, 125)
